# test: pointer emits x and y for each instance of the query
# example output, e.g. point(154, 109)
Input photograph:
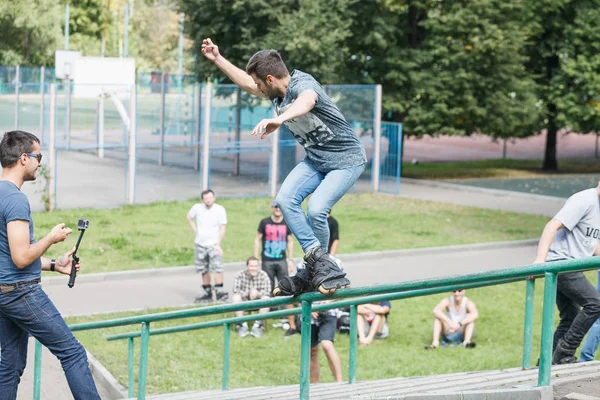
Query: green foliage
point(30, 31)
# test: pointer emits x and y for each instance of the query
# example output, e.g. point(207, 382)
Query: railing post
point(352, 362)
point(143, 360)
point(547, 328)
point(528, 324)
point(226, 336)
point(305, 350)
point(131, 388)
point(37, 371)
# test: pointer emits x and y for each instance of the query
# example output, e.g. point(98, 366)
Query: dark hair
point(13, 145)
point(251, 259)
point(205, 192)
point(267, 62)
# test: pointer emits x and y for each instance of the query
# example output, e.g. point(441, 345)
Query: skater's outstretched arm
point(238, 76)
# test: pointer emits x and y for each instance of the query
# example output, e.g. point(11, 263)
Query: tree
point(86, 20)
point(30, 31)
point(563, 56)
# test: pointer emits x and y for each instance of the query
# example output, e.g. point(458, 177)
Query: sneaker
point(257, 330)
point(243, 330)
point(290, 332)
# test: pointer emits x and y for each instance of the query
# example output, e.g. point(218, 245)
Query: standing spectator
point(572, 234)
point(588, 350)
point(251, 284)
point(208, 221)
point(371, 321)
point(276, 246)
point(324, 324)
point(274, 241)
point(454, 320)
point(334, 234)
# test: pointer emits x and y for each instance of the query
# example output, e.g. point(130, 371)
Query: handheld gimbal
point(81, 226)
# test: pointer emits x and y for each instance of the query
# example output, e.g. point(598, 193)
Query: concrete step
point(513, 380)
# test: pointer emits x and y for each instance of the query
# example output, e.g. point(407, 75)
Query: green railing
point(392, 291)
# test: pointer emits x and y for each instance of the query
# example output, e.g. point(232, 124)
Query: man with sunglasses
point(573, 233)
point(24, 307)
point(454, 320)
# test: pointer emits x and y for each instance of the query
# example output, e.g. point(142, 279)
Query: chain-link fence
point(186, 137)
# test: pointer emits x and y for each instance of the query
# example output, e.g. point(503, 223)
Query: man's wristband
point(460, 323)
point(52, 264)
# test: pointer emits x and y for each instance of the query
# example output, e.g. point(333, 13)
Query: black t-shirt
point(334, 231)
point(274, 239)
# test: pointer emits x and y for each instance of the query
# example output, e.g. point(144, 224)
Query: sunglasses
point(457, 291)
point(274, 206)
point(38, 156)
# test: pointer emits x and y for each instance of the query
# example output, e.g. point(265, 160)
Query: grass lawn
point(193, 360)
point(158, 235)
point(495, 169)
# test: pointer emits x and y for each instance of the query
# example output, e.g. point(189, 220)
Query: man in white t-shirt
point(573, 233)
point(208, 220)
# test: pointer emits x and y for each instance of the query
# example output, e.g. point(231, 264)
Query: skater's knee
point(317, 213)
point(593, 307)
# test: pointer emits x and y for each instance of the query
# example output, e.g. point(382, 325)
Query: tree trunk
point(550, 163)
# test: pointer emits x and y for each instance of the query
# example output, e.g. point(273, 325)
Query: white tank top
point(457, 316)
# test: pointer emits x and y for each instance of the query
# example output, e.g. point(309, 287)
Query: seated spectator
point(454, 320)
point(251, 284)
point(371, 321)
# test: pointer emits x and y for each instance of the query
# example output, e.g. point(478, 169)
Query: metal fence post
point(100, 126)
point(305, 350)
point(145, 342)
point(131, 386)
point(37, 373)
point(528, 324)
point(376, 161)
point(352, 360)
point(274, 161)
point(131, 148)
point(226, 336)
point(42, 90)
point(547, 328)
point(206, 136)
point(17, 90)
point(161, 153)
point(52, 150)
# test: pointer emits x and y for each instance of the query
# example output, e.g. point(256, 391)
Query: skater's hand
point(265, 127)
point(210, 50)
point(314, 314)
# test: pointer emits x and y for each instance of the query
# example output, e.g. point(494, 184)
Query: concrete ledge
point(578, 396)
point(533, 393)
point(103, 377)
point(467, 188)
point(236, 266)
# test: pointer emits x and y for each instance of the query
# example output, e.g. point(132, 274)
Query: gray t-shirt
point(581, 233)
point(328, 139)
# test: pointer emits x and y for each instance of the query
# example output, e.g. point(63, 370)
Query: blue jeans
point(593, 338)
point(326, 187)
point(27, 310)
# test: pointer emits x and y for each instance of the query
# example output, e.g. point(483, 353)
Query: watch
point(52, 264)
